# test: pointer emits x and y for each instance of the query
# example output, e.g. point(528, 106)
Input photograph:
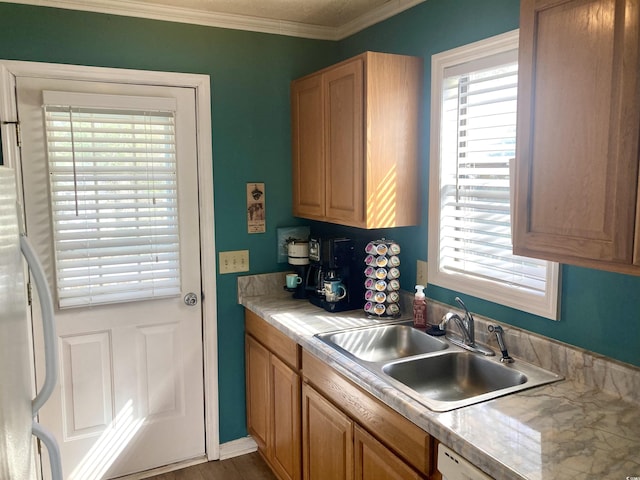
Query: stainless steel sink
point(434, 372)
point(453, 376)
point(384, 343)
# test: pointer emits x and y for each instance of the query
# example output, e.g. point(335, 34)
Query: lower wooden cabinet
point(325, 428)
point(337, 417)
point(257, 359)
point(335, 447)
point(406, 441)
point(285, 439)
point(273, 400)
point(327, 439)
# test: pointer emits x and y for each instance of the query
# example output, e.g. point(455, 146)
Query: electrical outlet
point(421, 273)
point(234, 261)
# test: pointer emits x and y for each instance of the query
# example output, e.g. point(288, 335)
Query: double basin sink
point(432, 370)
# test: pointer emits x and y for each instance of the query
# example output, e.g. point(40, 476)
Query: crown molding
point(133, 8)
point(372, 17)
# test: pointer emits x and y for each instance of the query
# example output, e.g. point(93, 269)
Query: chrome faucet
point(462, 325)
point(469, 321)
point(467, 327)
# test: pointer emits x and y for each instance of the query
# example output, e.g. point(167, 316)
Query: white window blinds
point(112, 167)
point(476, 141)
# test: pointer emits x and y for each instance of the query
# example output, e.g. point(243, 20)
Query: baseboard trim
point(238, 447)
point(166, 469)
point(231, 449)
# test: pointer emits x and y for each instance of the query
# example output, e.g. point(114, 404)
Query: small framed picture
point(256, 215)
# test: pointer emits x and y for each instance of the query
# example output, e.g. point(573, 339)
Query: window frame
point(491, 290)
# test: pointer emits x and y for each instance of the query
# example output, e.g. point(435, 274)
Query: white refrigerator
point(18, 408)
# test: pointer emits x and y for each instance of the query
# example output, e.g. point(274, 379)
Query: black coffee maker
point(335, 280)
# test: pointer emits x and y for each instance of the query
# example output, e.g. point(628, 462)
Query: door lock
point(191, 299)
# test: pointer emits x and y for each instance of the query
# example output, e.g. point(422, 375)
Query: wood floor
point(244, 467)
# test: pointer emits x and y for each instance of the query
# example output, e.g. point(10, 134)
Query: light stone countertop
point(565, 430)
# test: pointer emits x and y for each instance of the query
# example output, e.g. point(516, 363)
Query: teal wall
point(600, 311)
point(250, 75)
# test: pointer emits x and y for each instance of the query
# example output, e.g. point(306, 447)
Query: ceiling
point(321, 19)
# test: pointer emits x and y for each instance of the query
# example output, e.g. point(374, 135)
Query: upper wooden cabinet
point(576, 190)
point(355, 130)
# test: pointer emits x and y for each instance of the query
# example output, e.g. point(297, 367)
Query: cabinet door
point(327, 439)
point(578, 118)
point(285, 451)
point(307, 130)
point(344, 144)
point(374, 461)
point(258, 392)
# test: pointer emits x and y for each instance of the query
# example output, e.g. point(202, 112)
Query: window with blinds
point(113, 195)
point(474, 146)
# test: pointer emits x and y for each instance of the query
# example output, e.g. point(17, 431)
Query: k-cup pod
point(368, 295)
point(368, 307)
point(380, 297)
point(381, 285)
point(393, 286)
point(381, 273)
point(370, 272)
point(382, 261)
point(370, 283)
point(393, 273)
point(370, 248)
point(393, 309)
point(370, 260)
point(381, 249)
point(379, 308)
point(392, 297)
point(394, 261)
point(394, 248)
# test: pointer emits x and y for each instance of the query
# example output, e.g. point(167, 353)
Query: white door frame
point(10, 69)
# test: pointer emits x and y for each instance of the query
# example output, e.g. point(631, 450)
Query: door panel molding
point(159, 346)
point(81, 356)
point(10, 69)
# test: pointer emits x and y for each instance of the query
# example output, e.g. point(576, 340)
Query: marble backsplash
point(588, 368)
point(265, 284)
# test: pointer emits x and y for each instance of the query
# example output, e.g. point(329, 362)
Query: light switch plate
point(233, 261)
point(421, 273)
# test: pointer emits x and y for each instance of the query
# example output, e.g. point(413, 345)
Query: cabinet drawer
point(276, 341)
point(405, 438)
point(374, 460)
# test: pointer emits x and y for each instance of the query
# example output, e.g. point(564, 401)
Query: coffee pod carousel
point(382, 284)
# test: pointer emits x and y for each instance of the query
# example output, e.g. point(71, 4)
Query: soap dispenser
point(419, 308)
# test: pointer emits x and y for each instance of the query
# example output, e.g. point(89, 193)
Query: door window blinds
point(478, 138)
point(112, 168)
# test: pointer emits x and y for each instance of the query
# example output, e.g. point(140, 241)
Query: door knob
point(191, 299)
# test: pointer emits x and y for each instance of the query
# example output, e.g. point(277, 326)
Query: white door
point(130, 394)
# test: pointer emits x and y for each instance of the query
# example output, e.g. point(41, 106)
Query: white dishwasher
point(454, 467)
